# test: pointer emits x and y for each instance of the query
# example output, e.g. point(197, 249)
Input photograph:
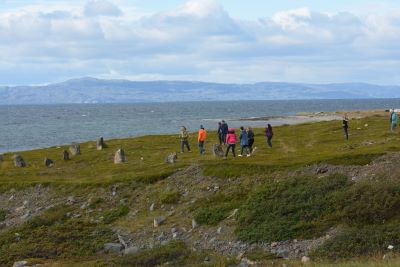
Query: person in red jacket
point(201, 139)
point(231, 142)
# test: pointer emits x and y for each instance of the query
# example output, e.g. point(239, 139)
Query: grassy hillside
point(312, 194)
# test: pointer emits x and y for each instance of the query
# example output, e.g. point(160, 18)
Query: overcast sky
point(316, 41)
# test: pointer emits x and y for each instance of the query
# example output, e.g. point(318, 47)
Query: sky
point(231, 41)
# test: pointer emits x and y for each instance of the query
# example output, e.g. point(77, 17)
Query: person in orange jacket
point(201, 139)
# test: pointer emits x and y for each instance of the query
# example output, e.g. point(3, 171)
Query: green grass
point(294, 146)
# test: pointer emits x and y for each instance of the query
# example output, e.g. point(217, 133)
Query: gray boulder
point(48, 162)
point(113, 247)
point(131, 250)
point(65, 155)
point(19, 161)
point(100, 144)
point(75, 149)
point(158, 221)
point(119, 156)
point(218, 150)
point(171, 158)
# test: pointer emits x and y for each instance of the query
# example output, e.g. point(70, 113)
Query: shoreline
point(255, 122)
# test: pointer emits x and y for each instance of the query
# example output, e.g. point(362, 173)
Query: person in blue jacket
point(244, 142)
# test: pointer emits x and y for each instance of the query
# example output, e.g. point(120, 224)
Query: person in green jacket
point(184, 137)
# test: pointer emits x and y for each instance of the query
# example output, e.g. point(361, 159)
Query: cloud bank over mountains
point(198, 40)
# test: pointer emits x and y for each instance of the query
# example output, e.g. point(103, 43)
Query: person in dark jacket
point(345, 125)
point(219, 133)
point(244, 142)
point(269, 134)
point(224, 131)
point(250, 136)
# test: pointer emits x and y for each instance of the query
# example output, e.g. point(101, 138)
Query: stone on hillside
point(71, 200)
point(322, 169)
point(131, 250)
point(158, 221)
point(305, 259)
point(113, 247)
point(1, 157)
point(65, 155)
point(19, 161)
point(171, 158)
point(48, 162)
point(218, 150)
point(20, 264)
point(100, 145)
point(75, 149)
point(119, 156)
point(152, 207)
point(194, 223)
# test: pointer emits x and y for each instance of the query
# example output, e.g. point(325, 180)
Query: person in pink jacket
point(231, 142)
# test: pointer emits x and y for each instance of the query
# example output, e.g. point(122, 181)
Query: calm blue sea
point(29, 127)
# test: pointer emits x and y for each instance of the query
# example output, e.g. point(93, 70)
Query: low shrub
point(114, 214)
point(360, 241)
point(369, 202)
point(174, 251)
point(212, 210)
point(57, 238)
point(3, 214)
point(290, 208)
point(171, 197)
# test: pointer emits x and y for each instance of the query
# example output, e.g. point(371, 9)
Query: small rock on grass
point(158, 221)
point(305, 259)
point(113, 247)
point(171, 158)
point(19, 161)
point(20, 263)
point(194, 223)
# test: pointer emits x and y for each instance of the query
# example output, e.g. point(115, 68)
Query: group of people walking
point(227, 137)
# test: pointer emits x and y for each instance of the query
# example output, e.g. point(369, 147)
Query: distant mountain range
point(92, 90)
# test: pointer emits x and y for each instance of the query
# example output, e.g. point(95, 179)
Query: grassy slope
point(294, 146)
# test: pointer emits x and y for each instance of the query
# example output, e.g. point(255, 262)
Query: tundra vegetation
point(312, 184)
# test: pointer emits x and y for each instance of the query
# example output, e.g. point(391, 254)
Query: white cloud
point(199, 41)
point(102, 8)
